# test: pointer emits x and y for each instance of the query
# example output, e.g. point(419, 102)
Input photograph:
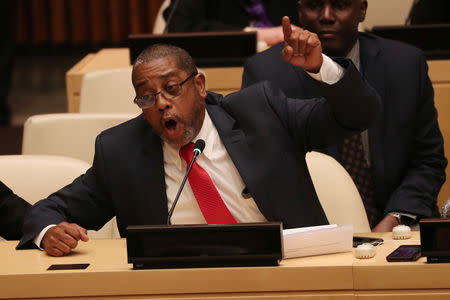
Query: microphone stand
point(196, 153)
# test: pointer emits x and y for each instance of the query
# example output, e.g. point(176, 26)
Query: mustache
point(171, 115)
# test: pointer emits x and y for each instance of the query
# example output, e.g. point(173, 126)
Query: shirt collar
point(354, 55)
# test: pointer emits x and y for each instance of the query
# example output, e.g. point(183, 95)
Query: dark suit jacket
point(265, 134)
point(12, 213)
point(224, 15)
point(406, 145)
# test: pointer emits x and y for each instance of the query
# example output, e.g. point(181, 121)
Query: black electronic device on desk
point(208, 49)
point(435, 240)
point(196, 246)
point(431, 38)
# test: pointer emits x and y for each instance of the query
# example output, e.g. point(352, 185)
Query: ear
point(200, 84)
point(363, 10)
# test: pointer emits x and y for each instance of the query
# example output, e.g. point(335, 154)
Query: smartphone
point(358, 240)
point(405, 253)
point(68, 267)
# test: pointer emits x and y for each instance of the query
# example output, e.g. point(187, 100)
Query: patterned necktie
point(353, 160)
point(208, 198)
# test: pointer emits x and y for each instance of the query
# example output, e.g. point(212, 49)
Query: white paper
point(317, 240)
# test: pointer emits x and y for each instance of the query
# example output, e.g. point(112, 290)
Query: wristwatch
point(402, 219)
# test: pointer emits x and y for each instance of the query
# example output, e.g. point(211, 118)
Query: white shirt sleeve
point(330, 72)
point(37, 240)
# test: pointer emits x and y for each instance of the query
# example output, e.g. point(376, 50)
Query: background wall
point(386, 12)
point(83, 22)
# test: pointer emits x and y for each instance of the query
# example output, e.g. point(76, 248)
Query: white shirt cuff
point(330, 72)
point(37, 240)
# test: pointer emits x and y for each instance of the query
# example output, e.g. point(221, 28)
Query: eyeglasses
point(169, 92)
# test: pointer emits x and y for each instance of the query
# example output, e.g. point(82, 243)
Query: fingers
point(83, 233)
point(63, 238)
point(302, 42)
point(287, 29)
point(287, 53)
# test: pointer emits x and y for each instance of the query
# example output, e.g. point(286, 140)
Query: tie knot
point(187, 152)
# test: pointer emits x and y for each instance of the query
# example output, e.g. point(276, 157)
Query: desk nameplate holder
point(197, 246)
point(435, 240)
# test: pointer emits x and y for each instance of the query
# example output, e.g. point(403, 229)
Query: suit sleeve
point(85, 202)
point(249, 76)
point(347, 107)
point(12, 213)
point(425, 172)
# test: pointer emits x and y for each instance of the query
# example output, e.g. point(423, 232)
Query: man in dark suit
point(12, 212)
point(254, 156)
point(402, 150)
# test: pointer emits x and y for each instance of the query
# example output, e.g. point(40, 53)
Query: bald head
point(183, 60)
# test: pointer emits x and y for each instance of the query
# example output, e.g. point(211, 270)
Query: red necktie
point(208, 198)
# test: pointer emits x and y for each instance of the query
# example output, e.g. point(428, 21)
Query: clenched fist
point(63, 238)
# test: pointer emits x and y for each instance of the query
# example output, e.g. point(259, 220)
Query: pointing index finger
point(287, 29)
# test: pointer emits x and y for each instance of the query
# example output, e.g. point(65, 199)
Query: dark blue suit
point(406, 145)
point(12, 213)
point(265, 134)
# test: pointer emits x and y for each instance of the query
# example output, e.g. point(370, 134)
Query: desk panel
point(110, 275)
point(335, 276)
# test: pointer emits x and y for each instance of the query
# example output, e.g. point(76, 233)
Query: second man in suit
point(398, 164)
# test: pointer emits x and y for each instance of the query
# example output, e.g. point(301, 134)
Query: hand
point(271, 35)
point(386, 225)
point(62, 238)
point(301, 47)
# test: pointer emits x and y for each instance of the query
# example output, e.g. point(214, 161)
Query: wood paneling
point(83, 22)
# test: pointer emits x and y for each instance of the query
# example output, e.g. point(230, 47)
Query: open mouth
point(170, 124)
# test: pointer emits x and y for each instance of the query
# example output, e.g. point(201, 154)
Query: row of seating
point(59, 147)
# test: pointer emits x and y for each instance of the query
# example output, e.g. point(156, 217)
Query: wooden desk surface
point(339, 276)
point(24, 274)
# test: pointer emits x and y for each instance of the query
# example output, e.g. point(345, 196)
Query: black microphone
point(169, 18)
point(198, 149)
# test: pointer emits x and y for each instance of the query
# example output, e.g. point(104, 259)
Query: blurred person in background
point(12, 212)
point(398, 164)
point(7, 46)
point(429, 12)
point(262, 16)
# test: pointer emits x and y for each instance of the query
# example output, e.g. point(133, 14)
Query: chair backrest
point(67, 134)
point(34, 177)
point(160, 22)
point(108, 91)
point(337, 192)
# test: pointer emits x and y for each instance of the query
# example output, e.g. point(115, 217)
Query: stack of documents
point(317, 240)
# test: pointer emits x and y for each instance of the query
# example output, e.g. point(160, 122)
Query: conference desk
point(23, 274)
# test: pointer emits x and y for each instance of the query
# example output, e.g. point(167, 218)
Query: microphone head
point(199, 146)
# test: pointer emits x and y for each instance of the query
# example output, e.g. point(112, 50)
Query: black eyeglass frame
point(142, 103)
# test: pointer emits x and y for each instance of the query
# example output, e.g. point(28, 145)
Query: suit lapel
point(154, 185)
point(373, 71)
point(237, 147)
